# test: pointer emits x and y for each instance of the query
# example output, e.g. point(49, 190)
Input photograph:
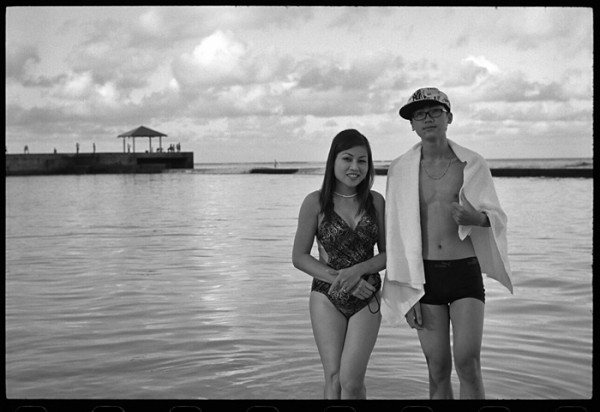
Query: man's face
point(431, 122)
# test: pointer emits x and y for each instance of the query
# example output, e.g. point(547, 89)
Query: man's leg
point(435, 342)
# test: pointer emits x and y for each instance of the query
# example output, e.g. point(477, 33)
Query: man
point(445, 227)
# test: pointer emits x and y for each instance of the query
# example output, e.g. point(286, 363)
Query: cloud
point(38, 118)
point(222, 60)
point(470, 71)
point(161, 27)
point(328, 73)
point(22, 62)
point(515, 87)
point(19, 59)
point(214, 70)
point(224, 76)
point(127, 68)
point(535, 26)
point(218, 60)
point(352, 19)
point(483, 62)
point(532, 111)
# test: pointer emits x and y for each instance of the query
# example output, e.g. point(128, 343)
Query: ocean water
point(180, 286)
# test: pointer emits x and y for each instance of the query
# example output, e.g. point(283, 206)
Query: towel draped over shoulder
point(405, 277)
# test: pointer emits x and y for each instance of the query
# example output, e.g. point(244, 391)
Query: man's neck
point(435, 150)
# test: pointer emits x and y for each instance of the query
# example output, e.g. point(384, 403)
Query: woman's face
point(351, 167)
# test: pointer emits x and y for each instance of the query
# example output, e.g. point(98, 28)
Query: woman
point(347, 218)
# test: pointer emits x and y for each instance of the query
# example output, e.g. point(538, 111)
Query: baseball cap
point(423, 97)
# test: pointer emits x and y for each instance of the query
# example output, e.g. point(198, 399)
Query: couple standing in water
point(441, 228)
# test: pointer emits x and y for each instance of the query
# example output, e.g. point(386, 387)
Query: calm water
point(180, 286)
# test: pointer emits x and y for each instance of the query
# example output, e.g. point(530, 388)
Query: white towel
point(405, 277)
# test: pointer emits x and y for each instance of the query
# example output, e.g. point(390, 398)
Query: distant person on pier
point(26, 149)
point(77, 147)
point(94, 147)
point(445, 227)
point(347, 218)
point(179, 147)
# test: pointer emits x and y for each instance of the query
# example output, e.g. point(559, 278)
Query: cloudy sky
point(247, 84)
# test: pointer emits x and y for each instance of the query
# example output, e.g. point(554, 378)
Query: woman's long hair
point(345, 140)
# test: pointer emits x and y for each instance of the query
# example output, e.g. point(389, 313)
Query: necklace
point(346, 196)
point(436, 177)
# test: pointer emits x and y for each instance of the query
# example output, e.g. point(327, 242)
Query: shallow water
point(180, 285)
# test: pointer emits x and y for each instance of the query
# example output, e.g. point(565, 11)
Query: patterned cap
point(422, 97)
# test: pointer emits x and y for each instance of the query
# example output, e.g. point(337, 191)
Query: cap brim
point(407, 110)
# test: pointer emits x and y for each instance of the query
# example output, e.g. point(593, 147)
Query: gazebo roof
point(142, 131)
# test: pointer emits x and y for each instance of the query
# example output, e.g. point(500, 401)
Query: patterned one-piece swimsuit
point(345, 247)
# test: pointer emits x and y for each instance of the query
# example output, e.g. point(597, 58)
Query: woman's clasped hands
point(349, 280)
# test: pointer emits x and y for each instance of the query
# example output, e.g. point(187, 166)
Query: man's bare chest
point(444, 189)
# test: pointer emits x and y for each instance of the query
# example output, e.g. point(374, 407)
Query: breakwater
point(528, 172)
point(581, 172)
point(95, 163)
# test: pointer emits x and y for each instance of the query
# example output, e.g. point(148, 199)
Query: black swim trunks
point(449, 280)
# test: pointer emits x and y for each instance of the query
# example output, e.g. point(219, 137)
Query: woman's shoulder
point(377, 197)
point(312, 201)
point(378, 202)
point(313, 196)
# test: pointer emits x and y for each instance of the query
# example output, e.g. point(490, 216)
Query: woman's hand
point(414, 318)
point(346, 279)
point(363, 290)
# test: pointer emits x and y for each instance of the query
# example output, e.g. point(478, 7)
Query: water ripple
point(181, 286)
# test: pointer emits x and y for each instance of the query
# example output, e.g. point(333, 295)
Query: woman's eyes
point(349, 159)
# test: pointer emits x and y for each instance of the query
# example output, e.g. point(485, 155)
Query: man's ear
point(450, 117)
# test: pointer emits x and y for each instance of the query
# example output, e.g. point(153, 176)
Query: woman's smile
point(351, 167)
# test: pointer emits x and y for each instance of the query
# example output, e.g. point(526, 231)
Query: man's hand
point(467, 215)
point(414, 318)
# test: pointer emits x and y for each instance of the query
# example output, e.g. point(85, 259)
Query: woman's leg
point(467, 331)
point(361, 336)
point(435, 342)
point(329, 327)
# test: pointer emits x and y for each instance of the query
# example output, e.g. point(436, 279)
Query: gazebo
point(142, 131)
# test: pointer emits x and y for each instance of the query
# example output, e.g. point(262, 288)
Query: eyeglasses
point(433, 113)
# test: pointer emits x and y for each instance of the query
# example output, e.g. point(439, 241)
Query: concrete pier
point(93, 163)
